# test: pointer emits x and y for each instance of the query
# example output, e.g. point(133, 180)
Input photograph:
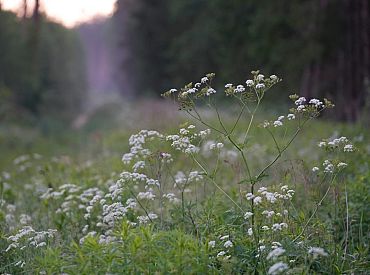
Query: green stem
point(237, 120)
point(316, 209)
point(147, 214)
point(199, 118)
point(251, 120)
point(281, 151)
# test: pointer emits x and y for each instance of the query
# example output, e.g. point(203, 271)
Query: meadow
point(145, 188)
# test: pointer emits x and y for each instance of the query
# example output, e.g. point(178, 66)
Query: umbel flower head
point(255, 89)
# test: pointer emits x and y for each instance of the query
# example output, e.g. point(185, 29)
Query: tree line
point(42, 69)
point(320, 47)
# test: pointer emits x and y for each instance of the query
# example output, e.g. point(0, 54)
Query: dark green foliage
point(41, 69)
point(319, 46)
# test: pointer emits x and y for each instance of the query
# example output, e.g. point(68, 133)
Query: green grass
point(178, 243)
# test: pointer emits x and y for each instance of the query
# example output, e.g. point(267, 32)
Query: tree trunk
point(25, 8)
point(36, 11)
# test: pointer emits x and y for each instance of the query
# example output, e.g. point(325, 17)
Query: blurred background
point(61, 62)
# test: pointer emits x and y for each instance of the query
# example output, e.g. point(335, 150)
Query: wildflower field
point(233, 188)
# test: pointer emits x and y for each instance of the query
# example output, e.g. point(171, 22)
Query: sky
point(67, 12)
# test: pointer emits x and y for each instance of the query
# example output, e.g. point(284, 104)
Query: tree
point(320, 46)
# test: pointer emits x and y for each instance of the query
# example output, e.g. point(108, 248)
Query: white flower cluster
point(147, 218)
point(72, 198)
point(277, 268)
point(269, 205)
point(113, 213)
point(317, 251)
point(20, 159)
point(329, 167)
point(337, 145)
point(25, 219)
point(166, 157)
point(250, 83)
point(63, 190)
point(90, 197)
point(181, 180)
point(227, 244)
point(138, 165)
point(275, 253)
point(27, 236)
point(24, 162)
point(302, 103)
point(136, 142)
point(210, 91)
point(88, 235)
point(148, 195)
point(260, 86)
point(341, 144)
point(247, 215)
point(271, 197)
point(257, 85)
point(315, 169)
point(182, 142)
point(278, 122)
point(214, 146)
point(171, 197)
point(239, 89)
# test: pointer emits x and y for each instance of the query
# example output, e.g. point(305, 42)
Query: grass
point(178, 242)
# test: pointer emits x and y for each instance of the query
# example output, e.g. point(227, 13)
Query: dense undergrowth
point(227, 192)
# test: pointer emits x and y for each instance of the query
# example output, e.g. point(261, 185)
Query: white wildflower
point(266, 124)
point(239, 89)
point(273, 77)
point(228, 244)
point(265, 228)
point(249, 196)
point(204, 79)
point(249, 83)
point(260, 77)
point(210, 91)
point(192, 91)
point(317, 251)
point(300, 108)
point(219, 145)
point(138, 165)
point(315, 169)
point(322, 144)
point(316, 102)
point(260, 86)
point(277, 268)
point(300, 101)
point(278, 123)
point(247, 215)
point(291, 116)
point(257, 200)
point(348, 148)
point(275, 253)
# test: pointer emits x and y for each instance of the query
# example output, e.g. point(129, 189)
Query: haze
point(67, 12)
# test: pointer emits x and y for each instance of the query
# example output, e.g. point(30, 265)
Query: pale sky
point(68, 12)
